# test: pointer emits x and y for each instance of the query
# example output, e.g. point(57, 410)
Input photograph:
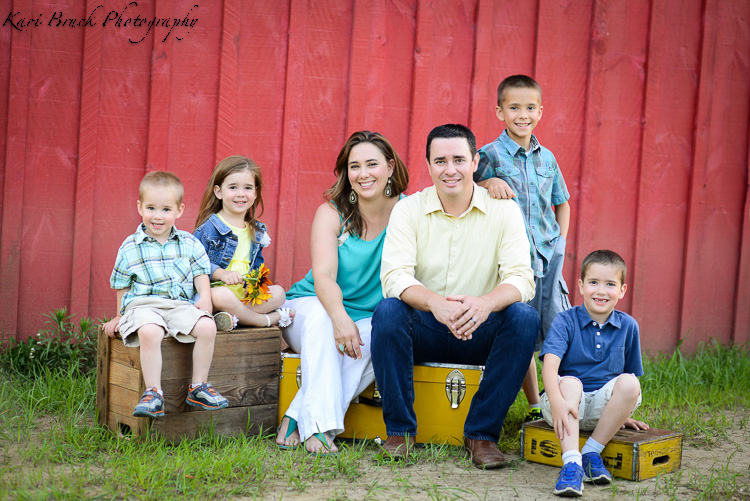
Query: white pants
point(329, 380)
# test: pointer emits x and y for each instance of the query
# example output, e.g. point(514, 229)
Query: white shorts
point(177, 318)
point(591, 406)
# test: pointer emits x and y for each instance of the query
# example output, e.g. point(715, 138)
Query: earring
point(353, 197)
point(388, 191)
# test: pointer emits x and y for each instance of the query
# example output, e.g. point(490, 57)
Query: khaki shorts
point(177, 318)
point(591, 407)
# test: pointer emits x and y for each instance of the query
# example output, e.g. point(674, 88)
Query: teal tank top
point(358, 276)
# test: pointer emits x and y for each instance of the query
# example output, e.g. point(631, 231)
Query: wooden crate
point(245, 370)
point(438, 419)
point(631, 454)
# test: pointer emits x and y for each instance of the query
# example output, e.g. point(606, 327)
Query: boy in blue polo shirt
point(591, 363)
point(516, 166)
point(157, 273)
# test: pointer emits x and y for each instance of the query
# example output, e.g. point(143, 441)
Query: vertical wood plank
point(290, 149)
point(123, 93)
point(15, 156)
point(612, 132)
point(505, 44)
point(258, 50)
point(83, 237)
point(380, 69)
point(442, 76)
point(562, 62)
point(718, 186)
point(159, 95)
point(671, 90)
point(230, 39)
point(741, 333)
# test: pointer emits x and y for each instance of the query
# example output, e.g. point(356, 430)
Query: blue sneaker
point(594, 470)
point(570, 482)
point(151, 404)
point(206, 397)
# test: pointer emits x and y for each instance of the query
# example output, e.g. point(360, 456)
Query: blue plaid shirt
point(539, 185)
point(152, 269)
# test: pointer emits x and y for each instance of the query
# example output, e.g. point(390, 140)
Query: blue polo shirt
point(593, 352)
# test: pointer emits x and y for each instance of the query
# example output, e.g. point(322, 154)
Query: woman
point(335, 301)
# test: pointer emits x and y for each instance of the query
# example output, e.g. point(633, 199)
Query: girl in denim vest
point(234, 240)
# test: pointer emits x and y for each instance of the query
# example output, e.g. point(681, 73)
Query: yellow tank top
point(239, 262)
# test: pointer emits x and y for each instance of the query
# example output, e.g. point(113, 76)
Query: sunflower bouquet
point(256, 284)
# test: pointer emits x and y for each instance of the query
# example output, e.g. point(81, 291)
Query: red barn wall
point(646, 108)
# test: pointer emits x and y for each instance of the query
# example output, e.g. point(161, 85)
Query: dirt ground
point(719, 471)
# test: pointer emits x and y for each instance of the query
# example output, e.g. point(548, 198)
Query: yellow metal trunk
point(442, 396)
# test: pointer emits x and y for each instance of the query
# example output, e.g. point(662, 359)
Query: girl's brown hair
point(211, 205)
point(339, 192)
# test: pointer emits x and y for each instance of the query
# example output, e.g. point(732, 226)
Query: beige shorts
point(591, 407)
point(177, 318)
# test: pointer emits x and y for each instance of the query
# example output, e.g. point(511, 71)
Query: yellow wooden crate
point(244, 369)
point(442, 396)
point(631, 454)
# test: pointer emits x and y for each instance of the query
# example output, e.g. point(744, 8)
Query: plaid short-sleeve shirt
point(538, 183)
point(152, 269)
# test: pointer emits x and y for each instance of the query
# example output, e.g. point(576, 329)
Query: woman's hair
point(230, 165)
point(339, 192)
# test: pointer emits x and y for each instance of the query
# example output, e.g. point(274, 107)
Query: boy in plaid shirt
point(516, 166)
point(157, 273)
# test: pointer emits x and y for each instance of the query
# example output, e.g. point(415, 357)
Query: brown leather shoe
point(397, 447)
point(484, 453)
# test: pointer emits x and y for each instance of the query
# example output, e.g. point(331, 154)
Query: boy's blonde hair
point(606, 258)
point(517, 82)
point(162, 179)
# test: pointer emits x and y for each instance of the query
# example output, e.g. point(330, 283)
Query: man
point(456, 273)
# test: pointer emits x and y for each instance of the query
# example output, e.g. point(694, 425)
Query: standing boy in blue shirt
point(591, 363)
point(157, 273)
point(516, 166)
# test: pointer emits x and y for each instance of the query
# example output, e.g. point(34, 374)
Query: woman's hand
point(346, 333)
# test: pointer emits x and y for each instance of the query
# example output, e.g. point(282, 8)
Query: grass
point(50, 446)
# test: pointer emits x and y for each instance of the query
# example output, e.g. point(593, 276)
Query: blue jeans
point(403, 336)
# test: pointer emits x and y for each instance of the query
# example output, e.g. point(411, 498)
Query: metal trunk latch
point(299, 376)
point(455, 388)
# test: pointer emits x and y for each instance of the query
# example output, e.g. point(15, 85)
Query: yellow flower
point(256, 284)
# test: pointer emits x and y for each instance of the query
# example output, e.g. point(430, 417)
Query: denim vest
point(220, 243)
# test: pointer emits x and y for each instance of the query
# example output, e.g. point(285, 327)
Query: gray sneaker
point(225, 322)
point(206, 397)
point(151, 405)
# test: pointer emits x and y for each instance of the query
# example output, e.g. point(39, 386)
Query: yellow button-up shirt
point(470, 254)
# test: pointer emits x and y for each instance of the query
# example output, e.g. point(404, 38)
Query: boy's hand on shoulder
point(112, 326)
point(635, 424)
point(498, 188)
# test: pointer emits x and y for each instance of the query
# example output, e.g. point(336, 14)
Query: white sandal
point(285, 317)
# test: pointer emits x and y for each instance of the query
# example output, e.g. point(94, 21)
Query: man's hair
point(517, 82)
point(606, 258)
point(449, 131)
point(162, 179)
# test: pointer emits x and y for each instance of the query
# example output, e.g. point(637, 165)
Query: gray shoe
point(151, 405)
point(206, 397)
point(225, 322)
